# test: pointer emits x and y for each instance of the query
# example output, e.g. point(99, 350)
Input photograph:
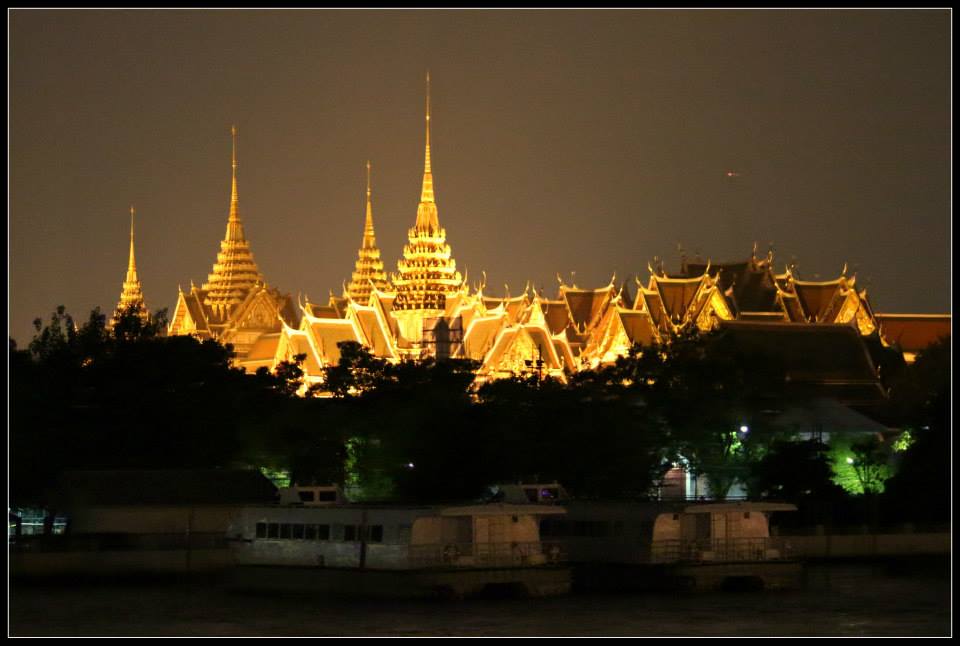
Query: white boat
point(391, 550)
point(701, 545)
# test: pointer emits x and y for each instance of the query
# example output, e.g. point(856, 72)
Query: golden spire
point(132, 264)
point(429, 215)
point(132, 292)
point(426, 273)
point(368, 269)
point(234, 225)
point(235, 272)
point(368, 237)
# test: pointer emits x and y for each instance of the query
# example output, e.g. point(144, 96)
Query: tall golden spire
point(132, 263)
point(426, 273)
point(132, 292)
point(427, 212)
point(369, 266)
point(235, 272)
point(234, 225)
point(369, 240)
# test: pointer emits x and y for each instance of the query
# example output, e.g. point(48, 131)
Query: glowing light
point(849, 460)
point(744, 429)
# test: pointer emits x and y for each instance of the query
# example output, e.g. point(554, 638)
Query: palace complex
point(426, 308)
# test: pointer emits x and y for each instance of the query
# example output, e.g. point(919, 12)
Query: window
point(376, 533)
point(284, 530)
point(323, 532)
point(310, 532)
point(349, 532)
point(273, 530)
point(531, 494)
point(261, 530)
point(298, 531)
point(327, 496)
point(305, 496)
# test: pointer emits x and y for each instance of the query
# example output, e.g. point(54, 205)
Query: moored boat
point(702, 545)
point(391, 550)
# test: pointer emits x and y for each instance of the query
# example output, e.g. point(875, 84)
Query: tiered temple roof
point(235, 272)
point(235, 305)
point(427, 273)
point(368, 272)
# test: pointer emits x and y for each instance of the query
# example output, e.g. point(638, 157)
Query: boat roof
point(706, 508)
point(501, 509)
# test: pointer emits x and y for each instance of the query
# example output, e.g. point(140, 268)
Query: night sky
point(586, 141)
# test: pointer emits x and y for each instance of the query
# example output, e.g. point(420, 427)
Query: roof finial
point(368, 235)
point(234, 201)
point(234, 229)
point(132, 264)
point(426, 194)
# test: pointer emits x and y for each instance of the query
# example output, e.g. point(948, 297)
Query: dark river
point(837, 599)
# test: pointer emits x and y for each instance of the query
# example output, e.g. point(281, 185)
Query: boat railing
point(480, 555)
point(721, 550)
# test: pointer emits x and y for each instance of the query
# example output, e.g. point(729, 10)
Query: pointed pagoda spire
point(368, 270)
point(426, 193)
point(369, 239)
point(132, 263)
point(234, 225)
point(132, 292)
point(427, 212)
point(235, 272)
point(427, 272)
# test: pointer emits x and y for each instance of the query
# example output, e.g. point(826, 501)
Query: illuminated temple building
point(235, 305)
point(427, 309)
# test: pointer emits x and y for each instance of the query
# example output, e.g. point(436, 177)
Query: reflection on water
point(843, 600)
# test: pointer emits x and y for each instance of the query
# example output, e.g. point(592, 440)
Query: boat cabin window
point(376, 533)
point(531, 494)
point(298, 531)
point(349, 532)
point(327, 496)
point(306, 496)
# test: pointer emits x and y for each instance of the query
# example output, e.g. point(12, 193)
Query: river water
point(836, 600)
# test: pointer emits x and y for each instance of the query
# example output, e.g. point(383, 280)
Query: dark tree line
point(89, 397)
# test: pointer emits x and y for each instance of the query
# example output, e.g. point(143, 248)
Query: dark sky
point(587, 141)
